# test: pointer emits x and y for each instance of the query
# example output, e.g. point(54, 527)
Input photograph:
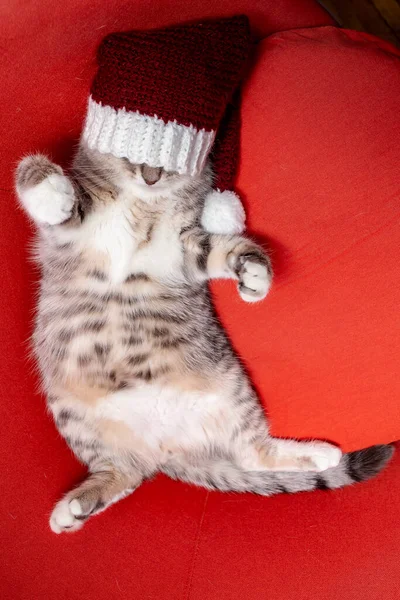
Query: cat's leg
point(275, 454)
point(99, 490)
point(254, 448)
point(116, 467)
point(225, 474)
point(46, 194)
point(231, 257)
point(245, 458)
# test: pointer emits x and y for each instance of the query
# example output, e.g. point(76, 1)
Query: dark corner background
point(379, 17)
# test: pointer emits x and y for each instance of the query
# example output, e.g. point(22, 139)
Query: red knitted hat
point(159, 97)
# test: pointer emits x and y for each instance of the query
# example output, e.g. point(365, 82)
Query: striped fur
point(139, 374)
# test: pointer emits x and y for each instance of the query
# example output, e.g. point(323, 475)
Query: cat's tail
point(225, 476)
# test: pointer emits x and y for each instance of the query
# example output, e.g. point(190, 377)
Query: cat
point(140, 376)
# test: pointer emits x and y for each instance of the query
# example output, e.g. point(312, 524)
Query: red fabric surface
point(319, 170)
point(322, 348)
point(319, 546)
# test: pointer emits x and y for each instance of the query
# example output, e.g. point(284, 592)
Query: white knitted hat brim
point(145, 139)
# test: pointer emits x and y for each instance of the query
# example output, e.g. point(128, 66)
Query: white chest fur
point(110, 231)
point(117, 233)
point(162, 256)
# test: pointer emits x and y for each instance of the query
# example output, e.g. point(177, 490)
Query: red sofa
point(319, 173)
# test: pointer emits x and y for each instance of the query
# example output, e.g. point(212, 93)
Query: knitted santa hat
point(166, 98)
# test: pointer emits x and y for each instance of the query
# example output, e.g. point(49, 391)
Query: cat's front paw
point(44, 191)
point(255, 276)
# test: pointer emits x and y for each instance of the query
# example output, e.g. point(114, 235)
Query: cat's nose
point(150, 174)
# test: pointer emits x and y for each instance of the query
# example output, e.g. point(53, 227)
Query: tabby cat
point(138, 372)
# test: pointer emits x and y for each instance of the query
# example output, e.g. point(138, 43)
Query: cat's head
point(141, 180)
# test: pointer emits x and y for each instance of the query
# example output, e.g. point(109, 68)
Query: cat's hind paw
point(64, 517)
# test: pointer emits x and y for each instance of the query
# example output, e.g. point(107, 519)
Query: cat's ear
point(223, 213)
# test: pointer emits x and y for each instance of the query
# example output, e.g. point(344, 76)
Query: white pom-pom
point(223, 213)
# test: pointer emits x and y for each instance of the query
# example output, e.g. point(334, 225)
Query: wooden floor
point(380, 17)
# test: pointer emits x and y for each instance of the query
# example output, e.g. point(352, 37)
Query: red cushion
point(320, 172)
point(167, 540)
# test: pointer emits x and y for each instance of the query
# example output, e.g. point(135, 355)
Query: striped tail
point(225, 476)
